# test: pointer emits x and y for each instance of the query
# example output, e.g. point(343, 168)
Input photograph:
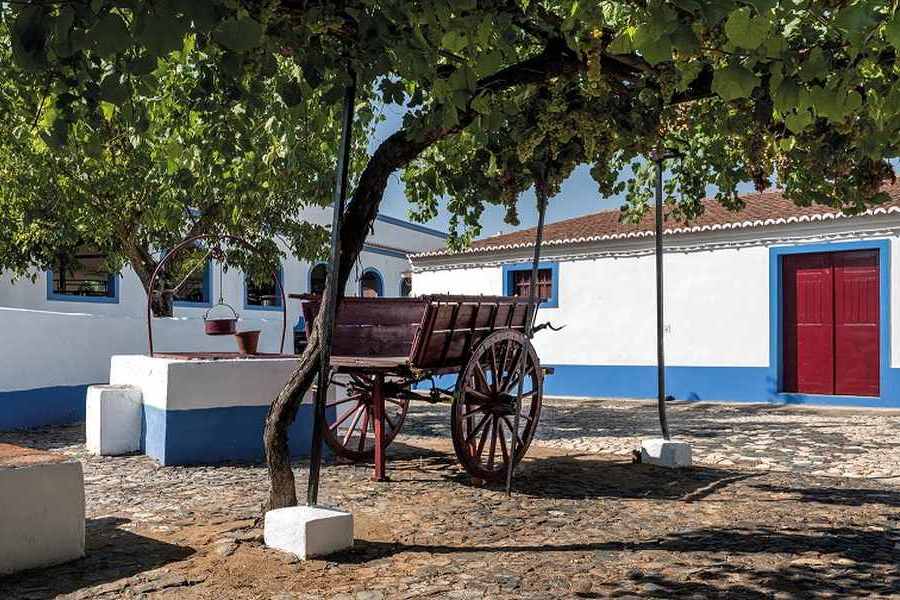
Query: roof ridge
point(597, 226)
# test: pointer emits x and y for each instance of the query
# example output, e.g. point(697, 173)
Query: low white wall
point(169, 384)
point(44, 348)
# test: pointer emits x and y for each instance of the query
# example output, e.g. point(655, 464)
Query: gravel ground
point(583, 521)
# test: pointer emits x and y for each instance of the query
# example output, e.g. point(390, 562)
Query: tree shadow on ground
point(836, 495)
point(111, 554)
point(808, 563)
point(577, 477)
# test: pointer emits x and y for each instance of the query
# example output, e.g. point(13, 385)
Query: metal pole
point(330, 302)
point(660, 342)
point(529, 324)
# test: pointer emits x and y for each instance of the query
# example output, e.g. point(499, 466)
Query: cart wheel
point(484, 404)
point(350, 422)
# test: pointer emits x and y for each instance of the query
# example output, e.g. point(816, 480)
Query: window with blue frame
point(371, 284)
point(262, 292)
point(83, 277)
point(517, 282)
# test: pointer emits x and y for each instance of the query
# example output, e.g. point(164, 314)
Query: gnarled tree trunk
point(394, 153)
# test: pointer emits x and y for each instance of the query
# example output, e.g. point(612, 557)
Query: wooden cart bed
point(430, 333)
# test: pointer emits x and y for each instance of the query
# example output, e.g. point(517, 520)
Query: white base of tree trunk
point(666, 453)
point(308, 531)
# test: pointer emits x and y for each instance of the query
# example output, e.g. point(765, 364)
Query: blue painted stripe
point(411, 226)
point(723, 384)
point(386, 251)
point(714, 384)
point(55, 405)
point(216, 435)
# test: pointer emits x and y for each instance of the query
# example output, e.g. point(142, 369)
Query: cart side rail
point(370, 327)
point(452, 325)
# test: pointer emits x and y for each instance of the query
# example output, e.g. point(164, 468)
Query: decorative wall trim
point(645, 248)
point(216, 435)
point(411, 226)
point(690, 383)
point(672, 231)
point(385, 251)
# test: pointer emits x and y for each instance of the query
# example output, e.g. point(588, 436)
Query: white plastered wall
point(717, 298)
point(67, 342)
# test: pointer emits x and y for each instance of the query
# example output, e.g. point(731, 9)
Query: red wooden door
point(856, 327)
point(831, 323)
point(808, 324)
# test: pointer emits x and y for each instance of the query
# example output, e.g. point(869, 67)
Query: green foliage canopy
point(133, 163)
point(499, 93)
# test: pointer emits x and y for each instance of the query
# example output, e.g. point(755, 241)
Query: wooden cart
point(383, 347)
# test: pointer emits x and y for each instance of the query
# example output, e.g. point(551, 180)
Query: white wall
point(608, 307)
point(69, 342)
point(43, 348)
point(475, 280)
point(717, 301)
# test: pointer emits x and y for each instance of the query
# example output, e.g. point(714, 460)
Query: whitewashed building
point(775, 303)
point(59, 332)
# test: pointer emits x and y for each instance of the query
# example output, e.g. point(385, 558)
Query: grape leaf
point(110, 35)
point(746, 31)
point(734, 82)
point(239, 35)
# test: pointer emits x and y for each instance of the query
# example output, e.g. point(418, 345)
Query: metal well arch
point(190, 241)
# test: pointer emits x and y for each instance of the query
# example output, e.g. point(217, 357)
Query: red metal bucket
point(220, 326)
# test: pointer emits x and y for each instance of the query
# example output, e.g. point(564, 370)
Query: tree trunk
point(394, 153)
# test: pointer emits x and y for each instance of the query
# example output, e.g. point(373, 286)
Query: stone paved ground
point(835, 442)
point(579, 525)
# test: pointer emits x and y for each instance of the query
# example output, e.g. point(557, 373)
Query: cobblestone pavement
point(832, 442)
point(579, 524)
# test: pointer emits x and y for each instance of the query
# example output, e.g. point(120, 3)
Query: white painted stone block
point(113, 419)
point(41, 511)
point(308, 531)
point(666, 453)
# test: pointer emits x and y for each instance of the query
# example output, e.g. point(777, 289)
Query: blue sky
point(577, 197)
point(578, 194)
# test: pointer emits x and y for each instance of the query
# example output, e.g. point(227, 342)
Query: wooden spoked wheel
point(483, 413)
point(350, 421)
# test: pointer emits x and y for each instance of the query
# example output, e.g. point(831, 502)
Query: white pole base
point(308, 531)
point(666, 453)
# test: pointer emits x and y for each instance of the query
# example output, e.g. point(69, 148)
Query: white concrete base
point(666, 453)
point(41, 510)
point(113, 419)
point(308, 531)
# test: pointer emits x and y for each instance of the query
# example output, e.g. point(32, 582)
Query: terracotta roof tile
point(763, 208)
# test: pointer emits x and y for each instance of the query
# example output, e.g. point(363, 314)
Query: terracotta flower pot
point(247, 341)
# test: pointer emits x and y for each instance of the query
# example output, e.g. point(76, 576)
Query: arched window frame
point(377, 274)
